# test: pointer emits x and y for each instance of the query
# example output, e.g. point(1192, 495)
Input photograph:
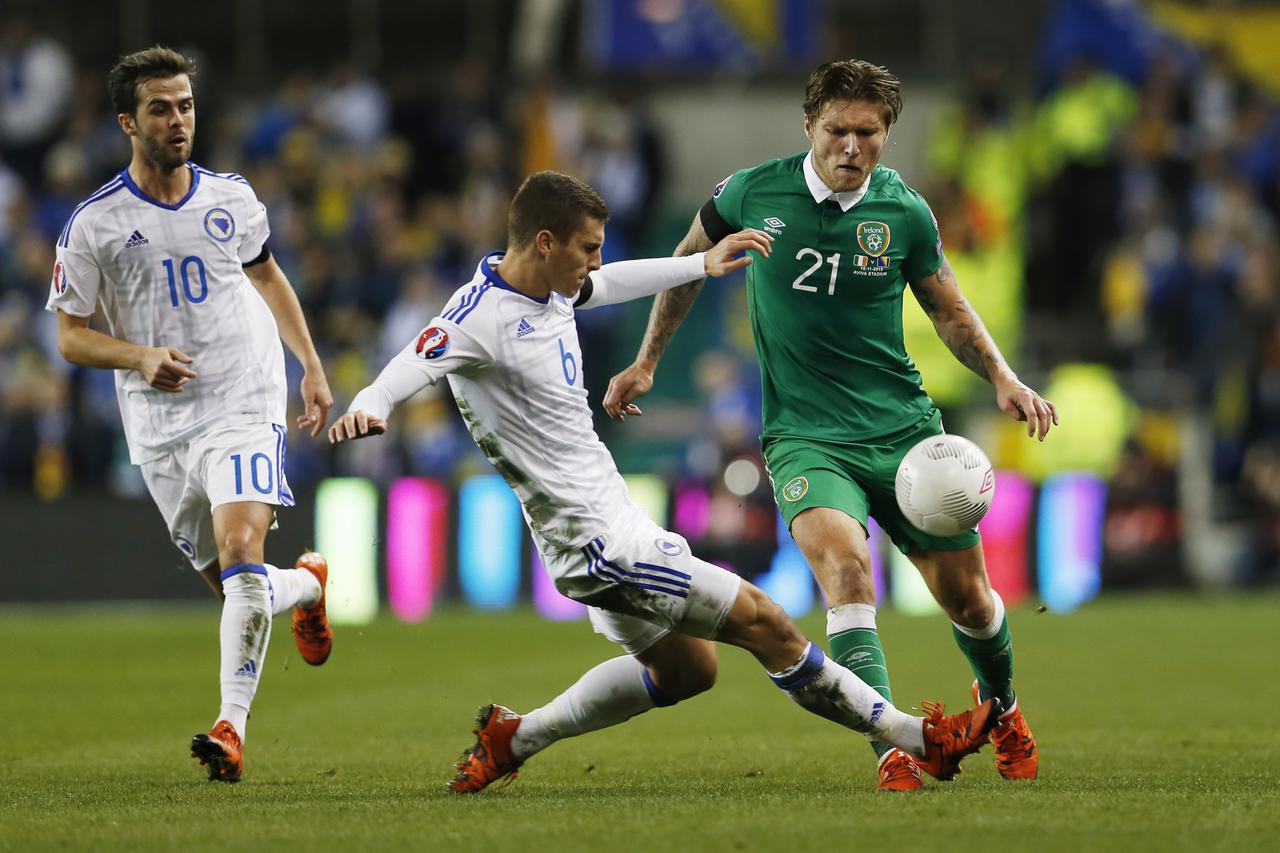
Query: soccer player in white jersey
point(508, 344)
point(175, 258)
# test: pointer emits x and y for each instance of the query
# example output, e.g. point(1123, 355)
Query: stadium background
point(1105, 175)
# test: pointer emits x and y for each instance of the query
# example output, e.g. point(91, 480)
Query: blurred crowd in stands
point(1116, 228)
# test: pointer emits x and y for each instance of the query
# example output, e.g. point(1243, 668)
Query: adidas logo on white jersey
point(524, 328)
point(136, 239)
point(249, 670)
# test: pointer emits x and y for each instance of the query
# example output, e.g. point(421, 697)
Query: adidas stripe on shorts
point(641, 581)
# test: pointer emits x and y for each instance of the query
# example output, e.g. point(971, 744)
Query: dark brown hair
point(139, 67)
point(552, 201)
point(853, 80)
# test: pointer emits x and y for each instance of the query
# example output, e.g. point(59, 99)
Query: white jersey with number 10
point(173, 275)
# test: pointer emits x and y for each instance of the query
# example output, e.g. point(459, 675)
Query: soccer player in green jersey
point(843, 401)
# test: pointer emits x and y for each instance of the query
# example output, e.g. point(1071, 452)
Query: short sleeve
point(924, 253)
point(77, 278)
point(256, 230)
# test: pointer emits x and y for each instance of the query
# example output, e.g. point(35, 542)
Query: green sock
point(858, 650)
point(992, 662)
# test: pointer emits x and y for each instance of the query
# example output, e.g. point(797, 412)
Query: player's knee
point(240, 544)
point(695, 674)
point(972, 609)
point(682, 669)
point(850, 566)
point(700, 672)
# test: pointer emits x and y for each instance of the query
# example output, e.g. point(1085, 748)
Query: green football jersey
point(826, 305)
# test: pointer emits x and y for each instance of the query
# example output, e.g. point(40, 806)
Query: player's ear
point(808, 128)
point(126, 123)
point(544, 241)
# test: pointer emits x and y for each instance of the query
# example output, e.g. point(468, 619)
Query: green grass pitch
point(1156, 717)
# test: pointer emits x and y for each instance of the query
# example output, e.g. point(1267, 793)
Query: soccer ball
point(945, 485)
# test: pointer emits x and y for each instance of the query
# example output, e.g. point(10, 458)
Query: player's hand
point(630, 384)
point(317, 399)
point(353, 425)
point(720, 258)
point(164, 370)
point(1022, 404)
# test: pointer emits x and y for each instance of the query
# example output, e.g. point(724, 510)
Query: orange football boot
point(949, 739)
point(899, 772)
point(1016, 753)
point(490, 758)
point(311, 631)
point(221, 751)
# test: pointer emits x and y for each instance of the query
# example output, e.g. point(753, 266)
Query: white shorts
point(228, 465)
point(641, 583)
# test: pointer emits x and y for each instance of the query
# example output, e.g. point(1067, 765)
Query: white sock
point(244, 634)
point(846, 617)
point(827, 689)
point(290, 587)
point(608, 694)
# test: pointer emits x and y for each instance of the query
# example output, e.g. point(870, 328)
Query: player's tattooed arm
point(671, 306)
point(962, 330)
point(669, 310)
point(958, 325)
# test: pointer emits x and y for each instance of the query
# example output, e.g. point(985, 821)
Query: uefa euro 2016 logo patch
point(432, 343)
point(873, 238)
point(720, 187)
point(59, 279)
point(219, 224)
point(795, 489)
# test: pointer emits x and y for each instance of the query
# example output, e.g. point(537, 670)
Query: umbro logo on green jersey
point(774, 225)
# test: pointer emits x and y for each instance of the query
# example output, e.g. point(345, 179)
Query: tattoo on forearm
point(668, 312)
point(671, 306)
point(959, 326)
point(969, 341)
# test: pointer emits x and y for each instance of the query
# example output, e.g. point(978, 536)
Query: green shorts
point(857, 479)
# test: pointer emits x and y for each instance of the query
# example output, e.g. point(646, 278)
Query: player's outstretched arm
point(164, 368)
point(623, 281)
point(962, 330)
point(669, 310)
point(276, 291)
point(440, 349)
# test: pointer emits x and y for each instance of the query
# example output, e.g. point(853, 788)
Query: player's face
point(572, 260)
point(848, 137)
point(164, 124)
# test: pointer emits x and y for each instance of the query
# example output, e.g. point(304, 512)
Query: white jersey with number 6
point(172, 275)
point(515, 369)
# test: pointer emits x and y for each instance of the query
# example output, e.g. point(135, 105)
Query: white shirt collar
point(821, 192)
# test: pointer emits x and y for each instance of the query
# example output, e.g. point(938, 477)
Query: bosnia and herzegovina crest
point(873, 238)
